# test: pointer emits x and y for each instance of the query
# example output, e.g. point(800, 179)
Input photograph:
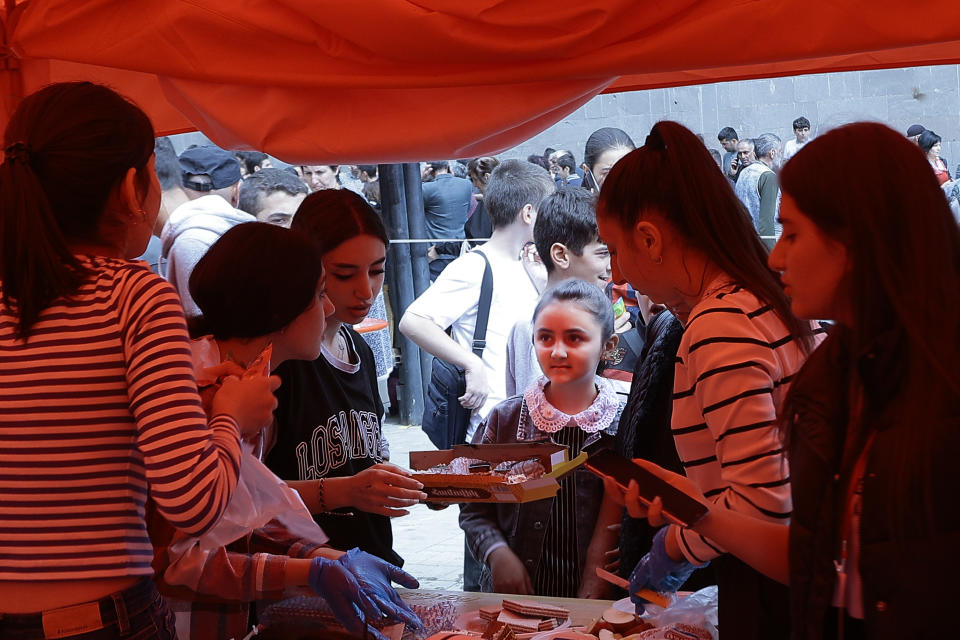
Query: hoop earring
point(659, 260)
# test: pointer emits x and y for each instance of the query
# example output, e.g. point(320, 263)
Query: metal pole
point(410, 392)
point(417, 225)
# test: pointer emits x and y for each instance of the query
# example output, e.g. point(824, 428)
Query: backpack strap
point(483, 310)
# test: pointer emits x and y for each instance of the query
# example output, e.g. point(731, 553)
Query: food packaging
point(442, 483)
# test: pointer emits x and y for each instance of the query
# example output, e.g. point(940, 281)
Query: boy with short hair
point(512, 198)
point(801, 130)
point(569, 245)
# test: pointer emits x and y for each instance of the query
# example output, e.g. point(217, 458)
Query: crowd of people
point(185, 436)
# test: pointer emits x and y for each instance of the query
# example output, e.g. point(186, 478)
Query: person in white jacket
point(211, 179)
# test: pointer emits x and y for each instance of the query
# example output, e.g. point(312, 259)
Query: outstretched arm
point(761, 544)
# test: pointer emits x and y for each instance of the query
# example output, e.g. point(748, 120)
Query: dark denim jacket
point(523, 526)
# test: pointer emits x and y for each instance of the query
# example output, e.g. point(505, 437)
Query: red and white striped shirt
point(97, 406)
point(732, 372)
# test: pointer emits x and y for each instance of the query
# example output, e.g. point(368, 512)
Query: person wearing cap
point(914, 131)
point(211, 180)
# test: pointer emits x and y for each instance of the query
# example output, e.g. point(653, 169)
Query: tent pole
point(413, 189)
point(410, 392)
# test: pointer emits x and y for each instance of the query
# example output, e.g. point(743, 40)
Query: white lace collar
point(549, 419)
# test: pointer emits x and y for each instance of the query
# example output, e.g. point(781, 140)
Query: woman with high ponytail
point(678, 234)
point(872, 420)
point(98, 404)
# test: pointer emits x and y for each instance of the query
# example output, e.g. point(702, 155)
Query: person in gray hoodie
point(211, 179)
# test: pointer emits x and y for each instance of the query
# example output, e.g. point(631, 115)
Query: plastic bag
point(693, 616)
point(260, 497)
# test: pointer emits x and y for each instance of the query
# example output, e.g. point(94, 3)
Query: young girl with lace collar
point(551, 547)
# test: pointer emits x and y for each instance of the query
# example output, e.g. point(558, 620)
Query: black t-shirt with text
point(328, 426)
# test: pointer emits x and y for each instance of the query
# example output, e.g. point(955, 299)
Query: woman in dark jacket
point(644, 432)
point(872, 420)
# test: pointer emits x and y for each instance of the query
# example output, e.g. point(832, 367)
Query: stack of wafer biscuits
point(524, 616)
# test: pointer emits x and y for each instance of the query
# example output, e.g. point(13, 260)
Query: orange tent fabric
point(400, 80)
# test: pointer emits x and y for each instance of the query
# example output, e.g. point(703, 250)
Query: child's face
point(568, 342)
point(355, 276)
point(301, 338)
point(592, 266)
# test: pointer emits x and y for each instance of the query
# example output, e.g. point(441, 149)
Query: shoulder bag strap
point(483, 310)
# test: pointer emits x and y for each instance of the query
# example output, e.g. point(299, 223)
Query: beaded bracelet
point(320, 501)
point(323, 504)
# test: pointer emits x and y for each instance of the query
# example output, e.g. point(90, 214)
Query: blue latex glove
point(374, 576)
point(350, 605)
point(658, 572)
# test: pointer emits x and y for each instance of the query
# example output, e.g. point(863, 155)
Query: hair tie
point(655, 140)
point(18, 151)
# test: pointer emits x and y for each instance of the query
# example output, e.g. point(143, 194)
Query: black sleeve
point(448, 248)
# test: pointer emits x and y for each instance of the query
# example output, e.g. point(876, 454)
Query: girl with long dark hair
point(98, 403)
point(330, 443)
point(602, 150)
point(679, 235)
point(873, 418)
point(261, 291)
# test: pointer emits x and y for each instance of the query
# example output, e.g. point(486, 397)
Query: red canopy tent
point(401, 80)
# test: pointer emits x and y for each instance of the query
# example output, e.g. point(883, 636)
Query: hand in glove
point(350, 605)
point(658, 572)
point(374, 576)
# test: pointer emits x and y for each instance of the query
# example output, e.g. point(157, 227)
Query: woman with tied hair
point(98, 403)
point(603, 149)
point(872, 420)
point(679, 235)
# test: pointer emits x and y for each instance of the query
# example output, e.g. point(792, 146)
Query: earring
point(659, 260)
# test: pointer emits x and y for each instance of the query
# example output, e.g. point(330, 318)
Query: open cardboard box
point(485, 486)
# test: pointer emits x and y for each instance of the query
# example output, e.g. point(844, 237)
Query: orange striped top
point(96, 407)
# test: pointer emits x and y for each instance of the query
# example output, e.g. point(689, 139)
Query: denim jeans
point(136, 613)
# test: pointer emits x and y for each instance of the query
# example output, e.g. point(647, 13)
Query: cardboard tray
point(488, 487)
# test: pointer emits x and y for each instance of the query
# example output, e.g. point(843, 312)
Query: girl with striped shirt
point(872, 420)
point(678, 234)
point(98, 404)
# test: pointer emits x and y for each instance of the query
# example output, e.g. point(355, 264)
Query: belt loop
point(120, 605)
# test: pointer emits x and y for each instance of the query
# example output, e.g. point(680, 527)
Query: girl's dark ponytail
point(35, 263)
point(674, 174)
point(66, 147)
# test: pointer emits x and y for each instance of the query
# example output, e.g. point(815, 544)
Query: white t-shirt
point(791, 147)
point(452, 301)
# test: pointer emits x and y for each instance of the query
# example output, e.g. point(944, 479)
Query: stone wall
point(897, 97)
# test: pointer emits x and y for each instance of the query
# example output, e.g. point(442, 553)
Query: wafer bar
point(498, 631)
point(529, 608)
point(488, 613)
point(518, 622)
point(548, 623)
